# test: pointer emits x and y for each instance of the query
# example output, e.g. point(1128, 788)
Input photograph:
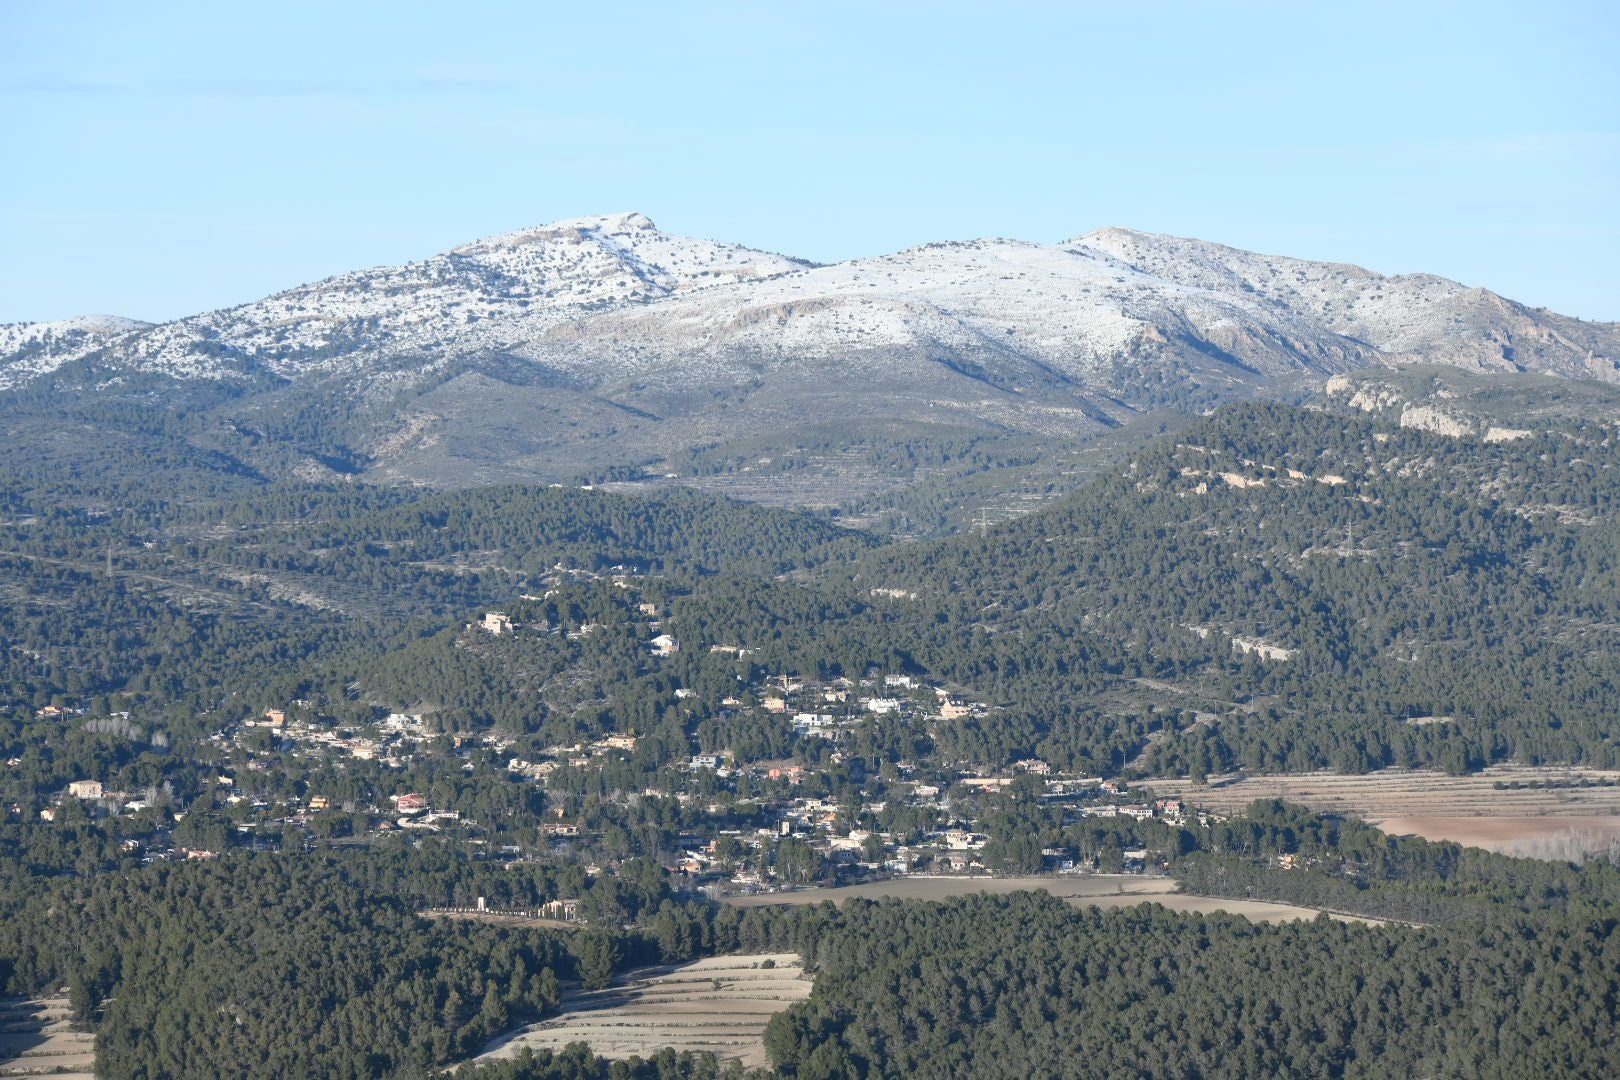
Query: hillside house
point(85, 789)
point(562, 910)
point(820, 724)
point(496, 622)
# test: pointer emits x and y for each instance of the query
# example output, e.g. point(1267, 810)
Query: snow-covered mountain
point(522, 281)
point(603, 340)
point(1407, 318)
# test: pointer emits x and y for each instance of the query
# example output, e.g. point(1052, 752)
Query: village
point(729, 824)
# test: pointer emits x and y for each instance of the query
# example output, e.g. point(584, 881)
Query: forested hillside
point(1319, 582)
point(1317, 591)
point(1028, 986)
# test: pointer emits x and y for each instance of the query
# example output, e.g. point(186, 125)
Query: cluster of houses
point(393, 743)
point(819, 712)
point(734, 860)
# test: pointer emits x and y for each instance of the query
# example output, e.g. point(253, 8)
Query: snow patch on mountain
point(30, 348)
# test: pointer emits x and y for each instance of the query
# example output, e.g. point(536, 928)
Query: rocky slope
point(1499, 407)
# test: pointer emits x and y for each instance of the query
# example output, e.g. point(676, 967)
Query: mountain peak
point(628, 224)
point(629, 221)
point(1110, 232)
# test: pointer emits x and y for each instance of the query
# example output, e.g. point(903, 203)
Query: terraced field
point(720, 1005)
point(36, 1040)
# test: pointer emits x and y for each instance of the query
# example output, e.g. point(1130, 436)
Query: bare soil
point(1548, 837)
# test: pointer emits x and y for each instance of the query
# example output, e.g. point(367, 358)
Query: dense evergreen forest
point(314, 964)
point(1025, 985)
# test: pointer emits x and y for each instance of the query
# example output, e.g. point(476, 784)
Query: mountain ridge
point(602, 341)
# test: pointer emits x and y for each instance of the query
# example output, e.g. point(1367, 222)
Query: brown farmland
point(1560, 815)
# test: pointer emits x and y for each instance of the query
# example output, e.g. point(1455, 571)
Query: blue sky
point(164, 158)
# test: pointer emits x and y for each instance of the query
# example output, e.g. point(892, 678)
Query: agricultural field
point(720, 1005)
point(1560, 837)
point(1100, 890)
point(37, 1040)
point(1567, 812)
